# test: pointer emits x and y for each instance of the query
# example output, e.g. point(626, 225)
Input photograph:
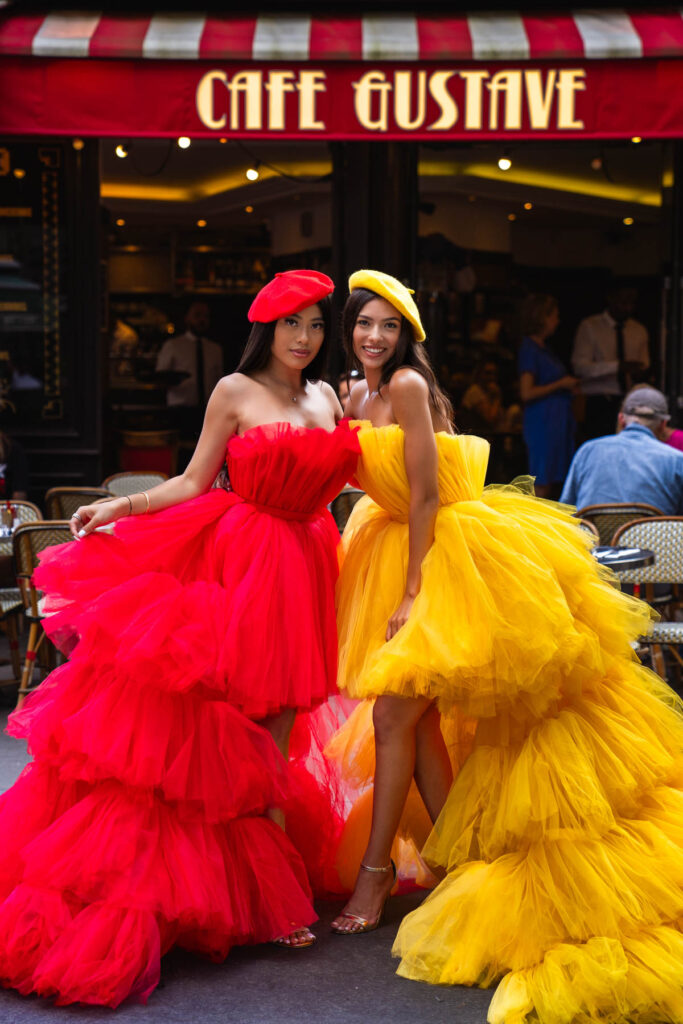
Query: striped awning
point(582, 35)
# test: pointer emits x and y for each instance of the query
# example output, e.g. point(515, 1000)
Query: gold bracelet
point(147, 500)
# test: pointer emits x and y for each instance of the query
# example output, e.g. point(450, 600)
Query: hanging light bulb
point(121, 151)
point(252, 173)
point(505, 163)
point(184, 142)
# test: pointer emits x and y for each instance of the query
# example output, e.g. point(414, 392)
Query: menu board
point(33, 307)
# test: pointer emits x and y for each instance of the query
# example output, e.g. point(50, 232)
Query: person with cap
point(197, 632)
point(560, 838)
point(631, 465)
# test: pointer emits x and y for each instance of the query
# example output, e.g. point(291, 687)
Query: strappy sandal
point(284, 941)
point(365, 924)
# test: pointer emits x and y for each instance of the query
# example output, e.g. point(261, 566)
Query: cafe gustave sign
point(342, 100)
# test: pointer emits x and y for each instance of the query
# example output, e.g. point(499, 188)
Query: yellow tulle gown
point(562, 837)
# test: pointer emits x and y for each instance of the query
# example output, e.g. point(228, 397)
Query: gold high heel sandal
point(285, 941)
point(365, 924)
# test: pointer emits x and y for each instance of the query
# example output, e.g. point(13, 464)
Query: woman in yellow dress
point(561, 838)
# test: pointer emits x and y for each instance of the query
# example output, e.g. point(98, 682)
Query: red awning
point(583, 35)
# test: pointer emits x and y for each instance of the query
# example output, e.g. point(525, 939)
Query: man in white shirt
point(610, 355)
point(191, 365)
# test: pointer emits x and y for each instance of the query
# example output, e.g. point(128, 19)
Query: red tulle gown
point(141, 823)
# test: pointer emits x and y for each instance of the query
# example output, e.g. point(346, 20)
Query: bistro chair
point(664, 536)
point(29, 540)
point(149, 450)
point(591, 528)
point(608, 518)
point(62, 502)
point(341, 506)
point(124, 484)
point(11, 604)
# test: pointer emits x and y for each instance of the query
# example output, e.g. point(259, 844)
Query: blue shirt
point(630, 466)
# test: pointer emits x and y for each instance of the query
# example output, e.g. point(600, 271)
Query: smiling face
point(376, 333)
point(298, 338)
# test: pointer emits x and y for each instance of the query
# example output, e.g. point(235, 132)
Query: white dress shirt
point(594, 358)
point(180, 353)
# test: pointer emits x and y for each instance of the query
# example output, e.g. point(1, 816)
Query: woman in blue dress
point(546, 390)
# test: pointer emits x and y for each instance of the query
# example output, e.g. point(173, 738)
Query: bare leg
point(433, 772)
point(395, 720)
point(280, 726)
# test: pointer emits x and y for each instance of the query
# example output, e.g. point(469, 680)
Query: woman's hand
point(400, 616)
point(89, 517)
point(567, 382)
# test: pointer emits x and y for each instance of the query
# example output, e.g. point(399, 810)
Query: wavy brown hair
point(409, 352)
point(259, 343)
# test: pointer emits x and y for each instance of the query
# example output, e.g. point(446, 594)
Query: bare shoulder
point(408, 385)
point(358, 395)
point(236, 385)
point(326, 390)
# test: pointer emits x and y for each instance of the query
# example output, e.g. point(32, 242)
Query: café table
point(623, 559)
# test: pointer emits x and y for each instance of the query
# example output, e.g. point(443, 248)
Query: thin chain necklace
point(292, 397)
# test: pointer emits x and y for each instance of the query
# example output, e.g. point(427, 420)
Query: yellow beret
point(394, 292)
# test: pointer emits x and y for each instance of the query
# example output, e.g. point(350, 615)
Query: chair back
point(342, 505)
point(608, 518)
point(664, 536)
point(135, 480)
point(591, 528)
point(24, 511)
point(28, 541)
point(62, 502)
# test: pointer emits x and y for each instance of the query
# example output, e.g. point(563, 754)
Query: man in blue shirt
point(632, 465)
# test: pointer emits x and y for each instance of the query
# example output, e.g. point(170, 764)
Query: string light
point(628, 221)
point(19, 172)
point(201, 223)
point(78, 143)
point(528, 206)
point(504, 163)
point(636, 139)
point(120, 222)
point(248, 209)
point(121, 151)
point(184, 142)
point(252, 173)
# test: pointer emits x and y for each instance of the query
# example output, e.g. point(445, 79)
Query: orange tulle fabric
point(142, 821)
point(561, 838)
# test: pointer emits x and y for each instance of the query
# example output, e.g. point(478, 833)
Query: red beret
point(289, 292)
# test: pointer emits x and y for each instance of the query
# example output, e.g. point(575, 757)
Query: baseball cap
point(646, 402)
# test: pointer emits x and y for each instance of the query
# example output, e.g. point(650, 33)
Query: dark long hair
point(408, 352)
point(259, 343)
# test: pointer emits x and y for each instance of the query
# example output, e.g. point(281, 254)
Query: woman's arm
point(410, 402)
point(529, 390)
point(220, 422)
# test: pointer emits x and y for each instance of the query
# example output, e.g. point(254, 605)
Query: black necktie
point(201, 391)
point(621, 373)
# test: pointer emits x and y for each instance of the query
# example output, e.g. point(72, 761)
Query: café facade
point(373, 88)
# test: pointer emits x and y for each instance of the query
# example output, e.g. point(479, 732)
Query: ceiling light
point(121, 151)
point(184, 142)
point(248, 209)
point(19, 172)
point(528, 206)
point(512, 216)
point(628, 221)
point(201, 223)
point(504, 163)
point(223, 140)
point(78, 143)
point(596, 163)
point(120, 222)
point(252, 172)
point(636, 139)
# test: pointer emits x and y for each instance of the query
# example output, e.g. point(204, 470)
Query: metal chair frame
point(11, 603)
point(29, 539)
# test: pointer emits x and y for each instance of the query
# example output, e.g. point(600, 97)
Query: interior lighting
point(78, 143)
point(184, 142)
point(201, 223)
point(121, 151)
point(253, 173)
point(512, 216)
point(504, 163)
point(120, 223)
point(471, 199)
point(596, 163)
point(528, 206)
point(248, 209)
point(628, 221)
point(19, 172)
point(636, 139)
point(223, 140)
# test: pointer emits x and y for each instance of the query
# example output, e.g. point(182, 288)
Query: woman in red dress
point(151, 813)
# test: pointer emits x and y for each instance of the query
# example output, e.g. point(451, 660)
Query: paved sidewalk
point(339, 981)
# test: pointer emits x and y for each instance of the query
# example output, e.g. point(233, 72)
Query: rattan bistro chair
point(135, 480)
point(608, 518)
point(62, 502)
point(591, 528)
point(11, 604)
point(29, 540)
point(664, 536)
point(341, 506)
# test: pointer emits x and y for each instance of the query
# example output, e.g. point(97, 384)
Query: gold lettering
point(249, 84)
point(510, 84)
point(540, 100)
point(473, 89)
point(204, 99)
point(569, 82)
point(438, 83)
point(310, 82)
point(402, 99)
point(279, 83)
point(372, 84)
